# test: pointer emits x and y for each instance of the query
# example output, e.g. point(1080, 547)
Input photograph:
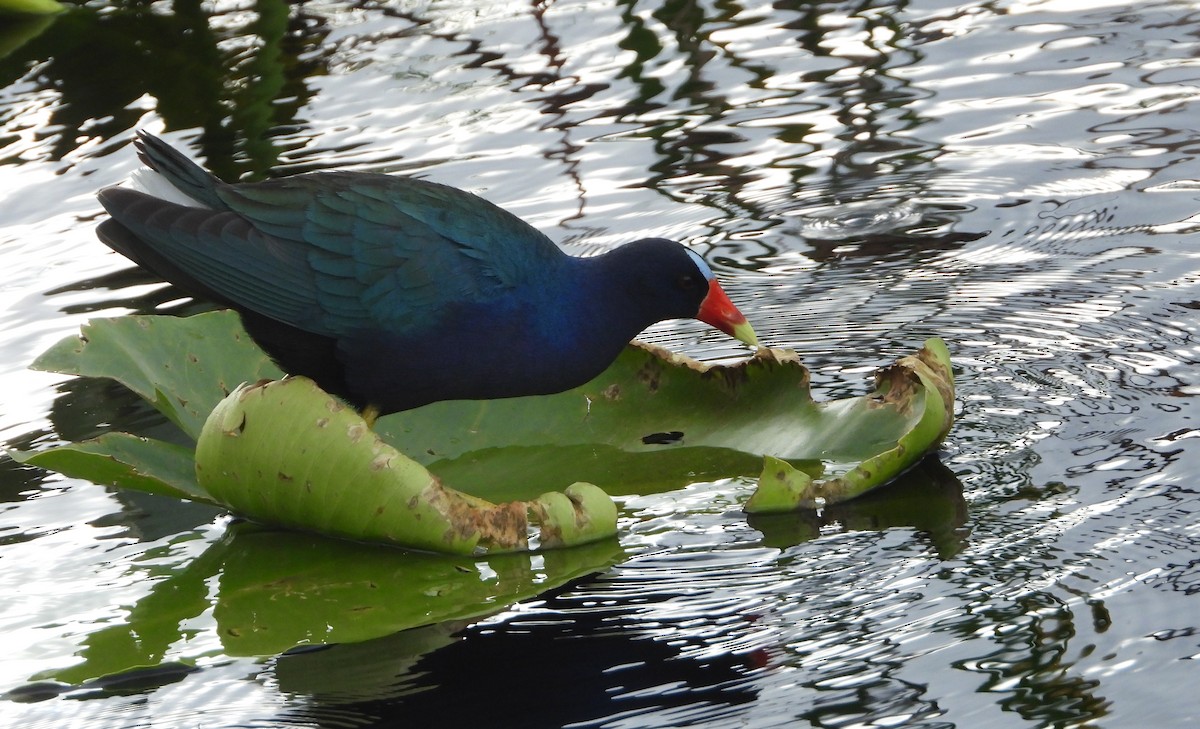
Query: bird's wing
point(334, 253)
point(393, 248)
point(211, 253)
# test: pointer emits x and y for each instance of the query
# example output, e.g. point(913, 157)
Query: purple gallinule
point(394, 292)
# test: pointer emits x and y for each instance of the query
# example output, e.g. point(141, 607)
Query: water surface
point(1020, 178)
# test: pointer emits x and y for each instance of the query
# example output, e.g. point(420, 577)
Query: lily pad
point(121, 459)
point(181, 366)
point(431, 477)
point(284, 452)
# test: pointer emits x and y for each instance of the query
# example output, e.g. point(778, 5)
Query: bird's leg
point(370, 414)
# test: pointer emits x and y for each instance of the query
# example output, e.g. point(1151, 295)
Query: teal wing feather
point(213, 252)
point(389, 252)
point(339, 253)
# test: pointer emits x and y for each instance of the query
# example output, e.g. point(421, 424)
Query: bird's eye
point(687, 282)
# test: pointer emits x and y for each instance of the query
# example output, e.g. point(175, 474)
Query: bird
point(393, 292)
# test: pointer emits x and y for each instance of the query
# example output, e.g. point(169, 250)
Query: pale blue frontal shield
point(700, 264)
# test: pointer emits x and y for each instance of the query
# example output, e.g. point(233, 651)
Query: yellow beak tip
point(745, 333)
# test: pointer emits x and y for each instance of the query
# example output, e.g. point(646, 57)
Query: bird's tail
point(183, 174)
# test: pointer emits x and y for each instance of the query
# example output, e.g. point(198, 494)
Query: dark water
point(1020, 178)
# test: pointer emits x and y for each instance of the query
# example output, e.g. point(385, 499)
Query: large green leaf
point(120, 459)
point(918, 388)
point(284, 452)
point(655, 412)
point(653, 420)
point(183, 367)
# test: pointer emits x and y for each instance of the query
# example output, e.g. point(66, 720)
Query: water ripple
point(854, 220)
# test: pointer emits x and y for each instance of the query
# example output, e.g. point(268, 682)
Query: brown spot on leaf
point(612, 392)
point(501, 526)
point(284, 477)
point(898, 386)
point(549, 534)
point(650, 375)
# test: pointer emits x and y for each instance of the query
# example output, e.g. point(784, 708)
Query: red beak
point(718, 311)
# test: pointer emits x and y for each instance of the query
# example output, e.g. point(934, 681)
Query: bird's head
point(685, 287)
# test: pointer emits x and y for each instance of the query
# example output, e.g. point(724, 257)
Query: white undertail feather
point(152, 183)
